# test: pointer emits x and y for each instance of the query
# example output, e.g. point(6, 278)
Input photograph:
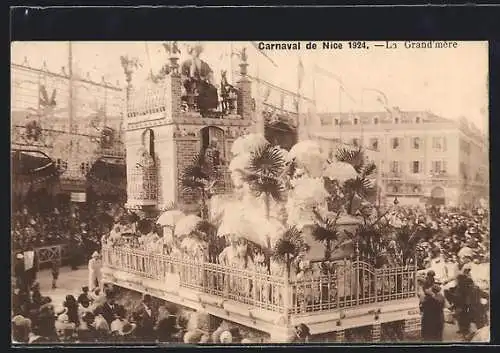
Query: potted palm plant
point(362, 185)
point(200, 177)
point(325, 231)
point(265, 168)
point(289, 247)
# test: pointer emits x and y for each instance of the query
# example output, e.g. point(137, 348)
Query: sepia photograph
point(212, 193)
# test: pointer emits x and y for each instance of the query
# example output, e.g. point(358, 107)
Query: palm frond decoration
point(269, 186)
point(267, 160)
point(205, 231)
point(360, 186)
point(291, 167)
point(196, 175)
point(408, 237)
point(371, 243)
point(325, 231)
point(368, 169)
point(145, 226)
point(354, 157)
point(290, 246)
point(199, 177)
point(405, 237)
point(265, 170)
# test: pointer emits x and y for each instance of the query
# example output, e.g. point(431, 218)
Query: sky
point(452, 83)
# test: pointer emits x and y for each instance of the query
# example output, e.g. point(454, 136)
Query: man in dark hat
point(84, 299)
point(109, 309)
point(166, 327)
point(432, 308)
point(429, 279)
point(302, 333)
point(145, 318)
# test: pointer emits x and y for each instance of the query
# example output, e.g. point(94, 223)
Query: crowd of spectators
point(453, 259)
point(78, 225)
point(456, 277)
point(96, 316)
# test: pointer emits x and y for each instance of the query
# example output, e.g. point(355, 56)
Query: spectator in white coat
point(95, 274)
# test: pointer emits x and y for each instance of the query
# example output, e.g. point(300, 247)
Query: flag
point(380, 96)
point(343, 90)
point(256, 46)
point(300, 73)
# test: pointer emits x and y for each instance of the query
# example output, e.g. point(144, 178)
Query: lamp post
point(128, 65)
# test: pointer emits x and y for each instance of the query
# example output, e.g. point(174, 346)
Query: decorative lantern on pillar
point(243, 64)
point(129, 64)
point(173, 51)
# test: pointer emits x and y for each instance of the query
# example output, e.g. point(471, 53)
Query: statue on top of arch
point(198, 82)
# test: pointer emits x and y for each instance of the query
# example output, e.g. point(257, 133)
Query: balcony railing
point(47, 254)
point(348, 284)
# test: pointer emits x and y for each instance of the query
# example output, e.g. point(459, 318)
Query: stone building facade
point(422, 157)
point(157, 123)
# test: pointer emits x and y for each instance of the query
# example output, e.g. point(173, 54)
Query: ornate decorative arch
point(437, 192)
point(144, 174)
point(211, 133)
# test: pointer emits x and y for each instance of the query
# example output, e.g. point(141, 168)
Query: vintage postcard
point(250, 192)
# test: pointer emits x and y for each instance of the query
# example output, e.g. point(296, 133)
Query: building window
point(395, 167)
point(439, 143)
point(416, 143)
point(463, 171)
point(417, 120)
point(212, 143)
point(396, 120)
point(415, 167)
point(375, 120)
point(374, 144)
point(395, 143)
point(336, 121)
point(356, 121)
point(395, 189)
point(438, 167)
point(355, 142)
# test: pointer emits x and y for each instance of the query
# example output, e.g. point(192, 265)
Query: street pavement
point(69, 282)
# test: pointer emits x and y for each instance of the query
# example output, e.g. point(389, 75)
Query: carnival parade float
point(233, 226)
